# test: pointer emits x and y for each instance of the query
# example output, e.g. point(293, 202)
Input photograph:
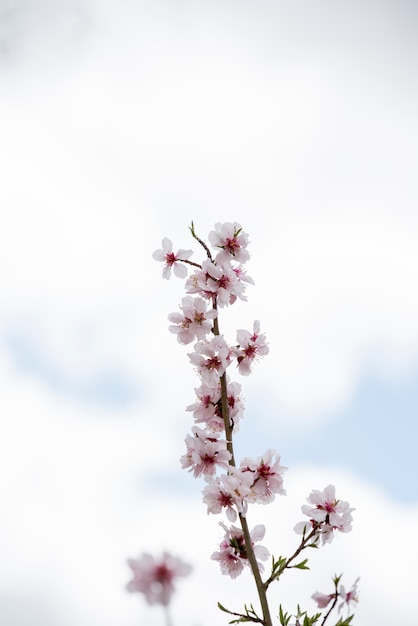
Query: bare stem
point(256, 571)
point(168, 620)
point(202, 243)
point(303, 544)
point(191, 263)
point(331, 609)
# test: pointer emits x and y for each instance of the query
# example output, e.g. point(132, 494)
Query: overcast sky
point(120, 123)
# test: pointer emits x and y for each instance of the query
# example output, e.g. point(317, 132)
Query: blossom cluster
point(232, 554)
point(326, 516)
point(347, 597)
point(219, 281)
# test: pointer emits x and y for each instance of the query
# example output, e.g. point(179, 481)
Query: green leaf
point(309, 621)
point(250, 615)
point(278, 567)
point(344, 622)
point(283, 617)
point(302, 564)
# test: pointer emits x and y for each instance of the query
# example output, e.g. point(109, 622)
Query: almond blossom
point(217, 279)
point(228, 491)
point(242, 275)
point(224, 283)
point(205, 453)
point(250, 347)
point(171, 260)
point(322, 599)
point(231, 240)
point(232, 555)
point(216, 497)
point(267, 476)
point(195, 323)
point(327, 515)
point(235, 404)
point(197, 284)
point(208, 407)
point(155, 577)
point(348, 596)
point(211, 359)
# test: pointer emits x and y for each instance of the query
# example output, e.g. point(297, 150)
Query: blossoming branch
point(218, 281)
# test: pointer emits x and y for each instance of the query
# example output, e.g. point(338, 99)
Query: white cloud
point(108, 157)
point(72, 511)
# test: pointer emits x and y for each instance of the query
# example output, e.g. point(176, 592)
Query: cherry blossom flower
point(232, 555)
point(216, 497)
point(322, 599)
point(211, 359)
point(205, 453)
point(242, 275)
point(235, 404)
point(195, 323)
point(154, 577)
point(231, 240)
point(225, 283)
point(228, 491)
point(267, 476)
point(218, 280)
point(250, 346)
point(208, 408)
point(197, 284)
point(327, 515)
point(171, 260)
point(348, 596)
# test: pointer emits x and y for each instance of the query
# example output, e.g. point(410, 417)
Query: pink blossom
point(197, 284)
point(250, 347)
point(228, 491)
point(327, 515)
point(232, 555)
point(205, 453)
point(218, 280)
point(322, 599)
point(231, 240)
point(348, 596)
point(216, 497)
point(225, 284)
point(211, 359)
point(239, 485)
point(195, 323)
point(235, 404)
point(204, 280)
point(242, 275)
point(154, 577)
point(171, 260)
point(267, 476)
point(208, 408)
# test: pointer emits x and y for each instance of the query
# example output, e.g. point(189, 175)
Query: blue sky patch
point(375, 436)
point(108, 387)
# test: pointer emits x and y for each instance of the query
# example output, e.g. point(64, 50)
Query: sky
point(120, 124)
